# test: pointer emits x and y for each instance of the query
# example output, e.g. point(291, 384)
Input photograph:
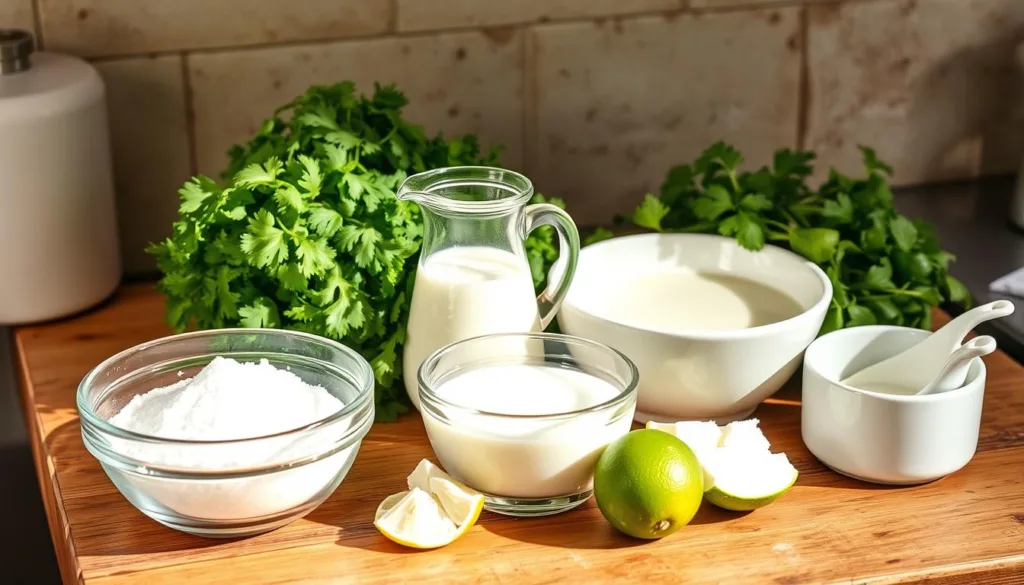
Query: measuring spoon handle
point(954, 373)
point(953, 333)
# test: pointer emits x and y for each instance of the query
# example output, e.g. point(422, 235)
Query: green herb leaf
point(928, 294)
point(903, 232)
point(749, 232)
point(915, 267)
point(315, 256)
point(790, 163)
point(956, 291)
point(833, 319)
point(310, 180)
point(261, 313)
point(650, 213)
point(839, 210)
point(755, 202)
point(885, 311)
point(715, 201)
point(287, 196)
point(860, 316)
point(872, 163)
point(815, 244)
point(718, 156)
point(256, 175)
point(599, 235)
point(879, 276)
point(875, 237)
point(324, 220)
point(194, 193)
point(840, 292)
point(264, 243)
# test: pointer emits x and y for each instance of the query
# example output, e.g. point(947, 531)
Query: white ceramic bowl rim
point(975, 370)
point(429, 397)
point(365, 392)
point(727, 334)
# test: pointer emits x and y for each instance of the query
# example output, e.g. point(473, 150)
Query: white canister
point(58, 232)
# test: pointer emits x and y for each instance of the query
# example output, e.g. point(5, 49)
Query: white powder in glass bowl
point(229, 400)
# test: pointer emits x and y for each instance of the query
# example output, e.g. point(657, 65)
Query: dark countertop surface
point(971, 221)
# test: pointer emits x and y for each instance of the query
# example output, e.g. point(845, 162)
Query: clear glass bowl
point(257, 484)
point(526, 464)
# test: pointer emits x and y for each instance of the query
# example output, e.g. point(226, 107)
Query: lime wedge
point(746, 480)
point(740, 471)
point(744, 434)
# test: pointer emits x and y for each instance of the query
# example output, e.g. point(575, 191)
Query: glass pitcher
point(473, 276)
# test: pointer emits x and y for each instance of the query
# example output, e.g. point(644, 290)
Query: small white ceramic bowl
point(721, 375)
point(885, 438)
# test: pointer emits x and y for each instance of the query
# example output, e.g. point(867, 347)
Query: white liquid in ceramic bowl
point(713, 328)
point(678, 299)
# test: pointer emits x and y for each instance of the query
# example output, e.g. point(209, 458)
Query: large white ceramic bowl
point(885, 438)
point(720, 375)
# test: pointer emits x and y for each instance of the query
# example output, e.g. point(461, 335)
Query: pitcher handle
point(550, 299)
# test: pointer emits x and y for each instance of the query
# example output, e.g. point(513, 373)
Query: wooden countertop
point(968, 527)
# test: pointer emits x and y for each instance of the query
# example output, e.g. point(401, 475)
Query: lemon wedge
point(461, 504)
point(415, 519)
point(420, 477)
point(433, 512)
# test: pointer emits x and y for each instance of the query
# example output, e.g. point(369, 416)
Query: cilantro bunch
point(884, 267)
point(307, 234)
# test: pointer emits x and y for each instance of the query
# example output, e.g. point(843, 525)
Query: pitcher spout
point(467, 189)
point(404, 194)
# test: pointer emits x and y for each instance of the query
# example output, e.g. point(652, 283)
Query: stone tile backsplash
point(123, 27)
point(931, 84)
point(420, 15)
point(16, 14)
point(617, 103)
point(595, 100)
point(149, 136)
point(456, 83)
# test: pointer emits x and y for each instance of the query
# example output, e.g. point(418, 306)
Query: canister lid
point(15, 47)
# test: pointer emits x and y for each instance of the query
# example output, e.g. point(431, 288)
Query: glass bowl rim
point(365, 391)
point(428, 396)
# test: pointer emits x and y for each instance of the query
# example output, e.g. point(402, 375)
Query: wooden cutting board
point(966, 528)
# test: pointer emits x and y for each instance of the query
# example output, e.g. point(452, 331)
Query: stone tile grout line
point(687, 9)
point(804, 90)
point(190, 115)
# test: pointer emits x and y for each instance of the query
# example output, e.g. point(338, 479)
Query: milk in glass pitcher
point(473, 276)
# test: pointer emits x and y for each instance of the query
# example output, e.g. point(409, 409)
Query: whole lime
point(648, 484)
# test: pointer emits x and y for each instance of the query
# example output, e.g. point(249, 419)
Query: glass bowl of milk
point(227, 432)
point(523, 417)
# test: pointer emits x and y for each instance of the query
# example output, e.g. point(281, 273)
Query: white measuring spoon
point(956, 367)
point(918, 366)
